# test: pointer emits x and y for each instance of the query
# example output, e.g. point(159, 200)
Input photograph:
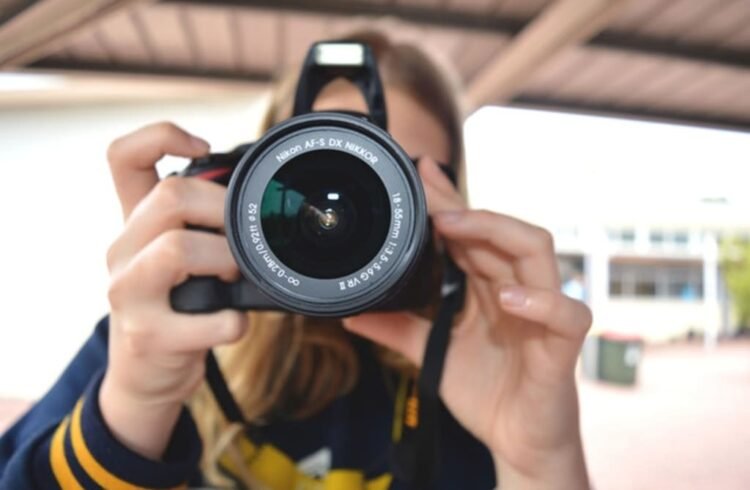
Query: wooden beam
point(149, 70)
point(9, 9)
point(631, 42)
point(414, 14)
point(562, 24)
point(33, 32)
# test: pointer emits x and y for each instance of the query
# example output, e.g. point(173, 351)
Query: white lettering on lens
point(366, 154)
point(398, 216)
point(288, 152)
point(315, 143)
point(273, 266)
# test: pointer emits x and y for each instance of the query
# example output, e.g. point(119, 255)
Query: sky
point(554, 166)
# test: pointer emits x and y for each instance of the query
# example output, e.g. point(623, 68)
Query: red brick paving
point(10, 410)
point(686, 425)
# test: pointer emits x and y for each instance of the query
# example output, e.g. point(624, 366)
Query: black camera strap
point(218, 385)
point(422, 459)
point(419, 458)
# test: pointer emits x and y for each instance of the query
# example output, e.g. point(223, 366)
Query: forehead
point(411, 124)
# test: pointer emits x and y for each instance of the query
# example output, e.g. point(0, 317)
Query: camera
point(325, 213)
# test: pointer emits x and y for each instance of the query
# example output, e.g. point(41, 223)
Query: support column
point(596, 270)
point(711, 289)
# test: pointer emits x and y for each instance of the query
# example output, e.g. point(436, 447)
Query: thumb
point(402, 332)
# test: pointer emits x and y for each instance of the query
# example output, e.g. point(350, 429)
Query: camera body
point(325, 213)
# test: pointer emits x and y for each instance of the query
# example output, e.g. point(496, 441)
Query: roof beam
point(562, 24)
point(413, 14)
point(653, 114)
point(32, 32)
point(10, 9)
point(94, 67)
point(501, 25)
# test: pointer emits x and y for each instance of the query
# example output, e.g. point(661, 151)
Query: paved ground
point(9, 411)
point(686, 425)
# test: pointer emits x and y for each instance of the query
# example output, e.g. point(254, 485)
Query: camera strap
point(417, 457)
point(420, 460)
point(220, 390)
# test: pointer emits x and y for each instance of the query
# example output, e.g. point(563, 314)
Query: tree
point(735, 263)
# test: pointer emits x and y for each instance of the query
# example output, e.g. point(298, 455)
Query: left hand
point(509, 370)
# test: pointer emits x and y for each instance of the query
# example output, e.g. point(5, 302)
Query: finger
point(174, 203)
point(431, 172)
point(563, 315)
point(439, 191)
point(190, 333)
point(530, 246)
point(404, 333)
point(482, 260)
point(132, 159)
point(442, 196)
point(169, 260)
point(156, 330)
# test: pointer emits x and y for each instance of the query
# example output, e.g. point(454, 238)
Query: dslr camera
point(325, 213)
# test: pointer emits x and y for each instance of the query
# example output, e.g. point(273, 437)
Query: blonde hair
point(291, 366)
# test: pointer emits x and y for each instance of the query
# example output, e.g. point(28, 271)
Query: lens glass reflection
point(325, 214)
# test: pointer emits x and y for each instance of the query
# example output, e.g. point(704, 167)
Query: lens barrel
point(327, 215)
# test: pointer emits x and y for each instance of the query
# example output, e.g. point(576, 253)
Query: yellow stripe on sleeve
point(383, 482)
point(87, 461)
point(344, 480)
point(60, 467)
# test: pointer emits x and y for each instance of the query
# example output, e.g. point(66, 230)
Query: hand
point(156, 356)
point(509, 370)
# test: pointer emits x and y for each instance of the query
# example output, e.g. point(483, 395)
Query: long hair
point(291, 366)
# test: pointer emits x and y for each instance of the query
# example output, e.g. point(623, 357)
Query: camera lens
point(325, 214)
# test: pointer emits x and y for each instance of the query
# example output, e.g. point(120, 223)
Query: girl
point(324, 405)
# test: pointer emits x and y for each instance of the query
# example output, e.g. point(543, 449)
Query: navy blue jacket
point(63, 442)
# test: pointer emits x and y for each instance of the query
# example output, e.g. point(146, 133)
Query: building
point(637, 219)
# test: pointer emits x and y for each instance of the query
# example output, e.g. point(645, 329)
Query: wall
point(59, 214)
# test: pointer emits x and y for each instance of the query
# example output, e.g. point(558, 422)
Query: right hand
point(157, 356)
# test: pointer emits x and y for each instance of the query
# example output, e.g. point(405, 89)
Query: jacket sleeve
point(63, 442)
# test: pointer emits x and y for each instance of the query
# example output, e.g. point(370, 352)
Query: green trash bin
point(619, 356)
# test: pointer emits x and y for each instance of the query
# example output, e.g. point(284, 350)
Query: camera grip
point(208, 294)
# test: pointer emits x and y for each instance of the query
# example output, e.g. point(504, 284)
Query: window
point(645, 288)
point(656, 238)
point(672, 239)
point(624, 237)
point(676, 281)
point(681, 239)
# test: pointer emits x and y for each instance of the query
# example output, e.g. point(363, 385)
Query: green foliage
point(735, 263)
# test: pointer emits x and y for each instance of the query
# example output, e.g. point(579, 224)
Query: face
point(415, 128)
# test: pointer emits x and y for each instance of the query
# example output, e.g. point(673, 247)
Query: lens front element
point(325, 214)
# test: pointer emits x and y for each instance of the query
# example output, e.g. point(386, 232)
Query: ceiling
point(677, 60)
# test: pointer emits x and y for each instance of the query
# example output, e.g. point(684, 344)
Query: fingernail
point(199, 143)
point(449, 217)
point(513, 297)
